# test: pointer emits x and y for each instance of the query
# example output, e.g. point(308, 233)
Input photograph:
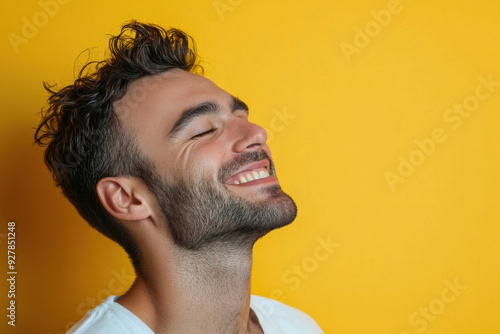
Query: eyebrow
point(205, 108)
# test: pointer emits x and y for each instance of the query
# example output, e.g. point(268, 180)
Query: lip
point(255, 165)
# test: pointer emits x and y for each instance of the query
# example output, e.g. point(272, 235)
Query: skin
point(179, 290)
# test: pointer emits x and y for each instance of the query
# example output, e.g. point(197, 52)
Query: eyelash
point(204, 133)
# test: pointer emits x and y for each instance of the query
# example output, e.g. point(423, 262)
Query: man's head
point(143, 116)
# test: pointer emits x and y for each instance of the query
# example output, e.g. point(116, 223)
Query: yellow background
point(349, 119)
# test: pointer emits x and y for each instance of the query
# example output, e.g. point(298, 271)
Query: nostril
point(254, 145)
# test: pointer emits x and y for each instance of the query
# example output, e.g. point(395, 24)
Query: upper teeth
point(250, 176)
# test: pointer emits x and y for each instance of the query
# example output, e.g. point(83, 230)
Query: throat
point(205, 291)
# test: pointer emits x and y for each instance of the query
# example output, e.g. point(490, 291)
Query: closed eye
point(204, 133)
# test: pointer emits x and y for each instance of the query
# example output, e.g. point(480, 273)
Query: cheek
point(203, 160)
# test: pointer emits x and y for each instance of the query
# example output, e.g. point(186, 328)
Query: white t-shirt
point(110, 317)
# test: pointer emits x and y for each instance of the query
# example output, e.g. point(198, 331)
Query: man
point(165, 163)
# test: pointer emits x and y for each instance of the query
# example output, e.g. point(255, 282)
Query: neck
point(203, 291)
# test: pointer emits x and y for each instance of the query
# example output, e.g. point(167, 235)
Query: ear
point(122, 198)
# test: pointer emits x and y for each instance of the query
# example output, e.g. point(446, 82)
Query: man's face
point(214, 177)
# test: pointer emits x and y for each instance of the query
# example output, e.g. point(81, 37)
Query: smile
point(251, 173)
point(251, 176)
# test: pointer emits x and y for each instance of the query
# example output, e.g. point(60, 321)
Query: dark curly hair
point(85, 141)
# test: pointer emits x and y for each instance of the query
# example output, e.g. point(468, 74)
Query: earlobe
point(120, 198)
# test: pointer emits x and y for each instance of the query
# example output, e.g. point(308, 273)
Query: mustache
point(245, 158)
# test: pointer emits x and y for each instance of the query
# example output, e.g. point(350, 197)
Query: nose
point(248, 136)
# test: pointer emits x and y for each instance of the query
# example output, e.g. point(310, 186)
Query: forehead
point(153, 104)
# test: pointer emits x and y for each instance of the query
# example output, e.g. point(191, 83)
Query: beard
point(201, 212)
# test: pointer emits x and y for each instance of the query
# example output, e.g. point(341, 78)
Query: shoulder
point(109, 317)
point(276, 317)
